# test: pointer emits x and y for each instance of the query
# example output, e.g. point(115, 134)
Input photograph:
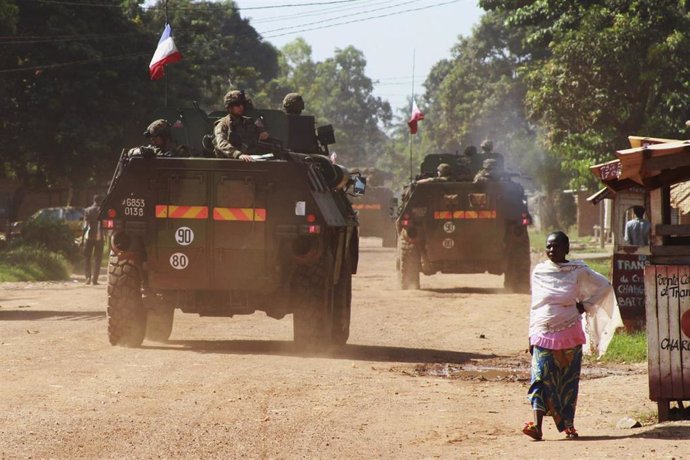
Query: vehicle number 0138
point(134, 206)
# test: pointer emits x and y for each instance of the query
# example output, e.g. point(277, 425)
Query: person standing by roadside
point(637, 229)
point(562, 291)
point(92, 241)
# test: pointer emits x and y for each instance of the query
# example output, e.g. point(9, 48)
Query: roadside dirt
point(440, 372)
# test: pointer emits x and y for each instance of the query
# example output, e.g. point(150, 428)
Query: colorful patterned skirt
point(555, 382)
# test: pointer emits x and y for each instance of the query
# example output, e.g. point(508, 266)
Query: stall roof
point(650, 162)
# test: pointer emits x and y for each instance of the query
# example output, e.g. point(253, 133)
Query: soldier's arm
point(224, 147)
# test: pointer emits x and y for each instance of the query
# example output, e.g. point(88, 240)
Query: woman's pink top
point(567, 338)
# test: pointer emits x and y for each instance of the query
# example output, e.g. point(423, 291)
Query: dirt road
point(227, 388)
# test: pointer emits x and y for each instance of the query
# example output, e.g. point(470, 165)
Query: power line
point(363, 19)
point(317, 12)
point(339, 17)
point(83, 61)
point(111, 5)
point(32, 39)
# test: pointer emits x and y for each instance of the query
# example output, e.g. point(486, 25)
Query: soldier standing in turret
point(234, 133)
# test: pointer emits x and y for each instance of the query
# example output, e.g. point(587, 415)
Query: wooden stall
point(657, 165)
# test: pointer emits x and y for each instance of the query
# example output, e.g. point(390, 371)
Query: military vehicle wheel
point(313, 303)
point(159, 319)
point(342, 305)
point(126, 314)
point(516, 277)
point(409, 265)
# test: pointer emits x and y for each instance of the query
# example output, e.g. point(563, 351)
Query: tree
point(599, 71)
point(221, 51)
point(337, 91)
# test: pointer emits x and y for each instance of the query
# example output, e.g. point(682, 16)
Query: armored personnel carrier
point(223, 237)
point(453, 225)
point(375, 208)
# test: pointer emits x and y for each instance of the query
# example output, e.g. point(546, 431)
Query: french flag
point(417, 115)
point(166, 53)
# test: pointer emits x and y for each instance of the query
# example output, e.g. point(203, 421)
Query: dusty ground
point(227, 388)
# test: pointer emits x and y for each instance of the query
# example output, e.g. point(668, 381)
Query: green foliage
point(336, 91)
point(48, 235)
point(602, 266)
point(627, 348)
point(598, 71)
point(28, 263)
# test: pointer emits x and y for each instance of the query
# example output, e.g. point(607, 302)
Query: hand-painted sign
point(628, 283)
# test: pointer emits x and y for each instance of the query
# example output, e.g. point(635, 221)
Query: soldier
point(487, 147)
point(489, 172)
point(92, 241)
point(465, 163)
point(488, 150)
point(443, 173)
point(160, 134)
point(293, 104)
point(234, 133)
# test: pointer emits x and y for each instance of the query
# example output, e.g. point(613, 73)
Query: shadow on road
point(468, 290)
point(36, 315)
point(670, 432)
point(354, 352)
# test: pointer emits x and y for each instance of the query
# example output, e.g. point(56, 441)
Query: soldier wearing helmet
point(162, 144)
point(236, 134)
point(443, 173)
point(293, 104)
point(490, 172)
point(487, 147)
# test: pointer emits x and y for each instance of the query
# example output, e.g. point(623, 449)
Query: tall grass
point(30, 263)
point(627, 348)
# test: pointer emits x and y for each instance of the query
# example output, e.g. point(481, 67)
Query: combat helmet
point(159, 127)
point(293, 103)
point(487, 146)
point(444, 170)
point(235, 97)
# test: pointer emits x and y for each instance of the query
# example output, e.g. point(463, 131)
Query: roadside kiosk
point(661, 167)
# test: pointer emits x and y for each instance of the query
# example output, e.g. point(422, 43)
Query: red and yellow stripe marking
point(375, 206)
point(446, 215)
point(240, 214)
point(171, 211)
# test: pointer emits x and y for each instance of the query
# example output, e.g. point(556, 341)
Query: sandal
point(532, 431)
point(571, 433)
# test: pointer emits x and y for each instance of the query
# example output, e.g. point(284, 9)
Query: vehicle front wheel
point(125, 313)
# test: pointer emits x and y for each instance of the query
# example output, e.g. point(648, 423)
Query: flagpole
point(411, 108)
point(165, 100)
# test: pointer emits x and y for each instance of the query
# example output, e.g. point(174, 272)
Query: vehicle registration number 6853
point(134, 206)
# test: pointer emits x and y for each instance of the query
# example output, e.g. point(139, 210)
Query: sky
point(388, 42)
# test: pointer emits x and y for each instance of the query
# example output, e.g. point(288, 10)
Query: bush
point(30, 263)
point(53, 236)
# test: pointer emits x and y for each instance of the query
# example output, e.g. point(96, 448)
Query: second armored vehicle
point(452, 225)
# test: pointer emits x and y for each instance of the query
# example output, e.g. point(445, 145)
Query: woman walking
point(562, 291)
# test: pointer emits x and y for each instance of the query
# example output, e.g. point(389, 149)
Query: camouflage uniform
point(444, 172)
point(235, 135)
point(161, 128)
point(293, 104)
point(489, 172)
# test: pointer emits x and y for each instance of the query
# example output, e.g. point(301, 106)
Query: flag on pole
point(166, 53)
point(417, 115)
